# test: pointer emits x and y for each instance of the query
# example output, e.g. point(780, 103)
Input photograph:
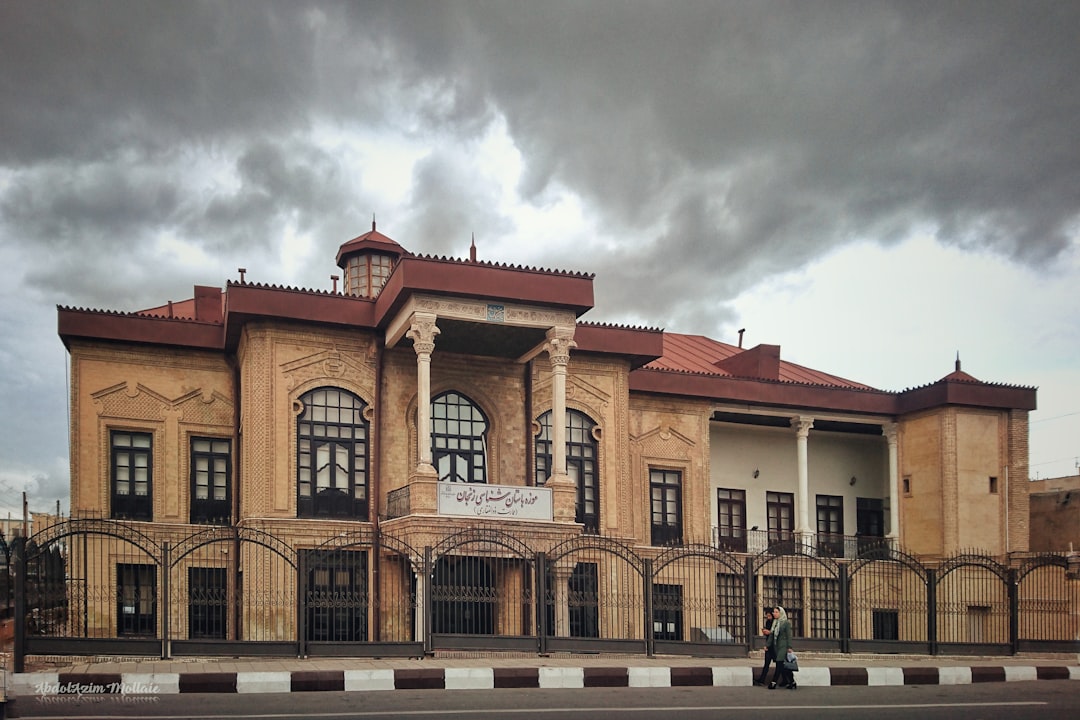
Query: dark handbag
point(791, 662)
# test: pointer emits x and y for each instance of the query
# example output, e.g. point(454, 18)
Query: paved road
point(1016, 701)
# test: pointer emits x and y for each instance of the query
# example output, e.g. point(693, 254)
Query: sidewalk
point(477, 671)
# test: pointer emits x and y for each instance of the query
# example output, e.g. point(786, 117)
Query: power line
point(1056, 417)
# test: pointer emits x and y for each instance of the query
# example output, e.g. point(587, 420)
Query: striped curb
point(481, 678)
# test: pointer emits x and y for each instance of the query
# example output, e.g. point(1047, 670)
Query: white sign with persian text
point(494, 501)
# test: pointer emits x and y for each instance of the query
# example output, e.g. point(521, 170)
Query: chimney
point(208, 304)
point(761, 362)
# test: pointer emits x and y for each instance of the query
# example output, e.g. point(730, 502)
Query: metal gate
point(699, 603)
point(480, 592)
point(973, 600)
point(88, 587)
point(359, 597)
point(594, 597)
point(888, 602)
point(1048, 606)
point(231, 591)
point(809, 588)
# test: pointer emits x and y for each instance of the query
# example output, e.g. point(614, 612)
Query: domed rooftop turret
point(367, 261)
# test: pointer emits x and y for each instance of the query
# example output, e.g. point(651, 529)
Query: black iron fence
point(108, 587)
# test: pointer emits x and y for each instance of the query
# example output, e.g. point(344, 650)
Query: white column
point(422, 332)
point(802, 427)
point(419, 621)
point(891, 432)
point(560, 340)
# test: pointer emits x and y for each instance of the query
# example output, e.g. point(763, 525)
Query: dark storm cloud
point(756, 134)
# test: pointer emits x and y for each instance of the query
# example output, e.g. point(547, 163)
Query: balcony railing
point(787, 542)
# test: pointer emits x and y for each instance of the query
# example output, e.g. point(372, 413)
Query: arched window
point(581, 463)
point(458, 439)
point(332, 455)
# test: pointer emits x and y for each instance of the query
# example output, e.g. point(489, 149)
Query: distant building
point(1055, 514)
point(420, 400)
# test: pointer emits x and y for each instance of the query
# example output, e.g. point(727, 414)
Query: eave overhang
point(246, 303)
point(798, 397)
point(481, 281)
point(966, 393)
point(639, 345)
point(75, 323)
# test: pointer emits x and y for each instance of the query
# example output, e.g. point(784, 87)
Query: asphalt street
point(1015, 701)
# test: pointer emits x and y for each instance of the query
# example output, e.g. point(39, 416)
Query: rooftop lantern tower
point(368, 261)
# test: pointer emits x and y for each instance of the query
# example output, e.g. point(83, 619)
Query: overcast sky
point(873, 186)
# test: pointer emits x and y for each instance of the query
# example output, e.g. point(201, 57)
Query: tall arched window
point(332, 455)
point(458, 439)
point(581, 463)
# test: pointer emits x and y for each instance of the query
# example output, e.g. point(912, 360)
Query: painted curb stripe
point(848, 676)
point(517, 678)
point(207, 682)
point(317, 680)
point(29, 684)
point(920, 676)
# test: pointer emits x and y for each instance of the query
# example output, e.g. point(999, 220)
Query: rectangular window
point(131, 466)
point(730, 602)
point(583, 599)
point(869, 522)
point(211, 475)
point(337, 597)
point(830, 525)
point(907, 485)
point(993, 486)
point(667, 612)
point(665, 491)
point(886, 624)
point(207, 603)
point(787, 593)
point(136, 600)
point(825, 608)
point(731, 519)
point(780, 509)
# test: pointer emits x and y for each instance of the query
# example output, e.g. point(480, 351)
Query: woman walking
point(781, 643)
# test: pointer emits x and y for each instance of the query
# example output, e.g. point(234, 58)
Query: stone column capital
point(802, 425)
point(559, 342)
point(422, 332)
point(891, 431)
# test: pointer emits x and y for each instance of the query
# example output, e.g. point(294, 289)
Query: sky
point(874, 186)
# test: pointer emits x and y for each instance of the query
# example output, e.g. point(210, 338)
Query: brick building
point(417, 402)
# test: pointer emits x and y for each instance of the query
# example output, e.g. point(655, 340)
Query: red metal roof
point(699, 354)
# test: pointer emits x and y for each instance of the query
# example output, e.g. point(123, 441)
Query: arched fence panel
point(595, 597)
point(1048, 605)
point(232, 591)
point(699, 602)
point(888, 604)
point(973, 606)
point(808, 586)
point(359, 597)
point(481, 592)
point(89, 587)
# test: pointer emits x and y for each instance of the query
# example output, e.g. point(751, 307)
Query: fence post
point(647, 586)
point(166, 606)
point(301, 603)
point(18, 560)
point(1014, 611)
point(931, 610)
point(845, 610)
point(428, 617)
point(541, 603)
point(752, 611)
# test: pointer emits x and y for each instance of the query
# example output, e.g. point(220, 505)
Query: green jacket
point(781, 638)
